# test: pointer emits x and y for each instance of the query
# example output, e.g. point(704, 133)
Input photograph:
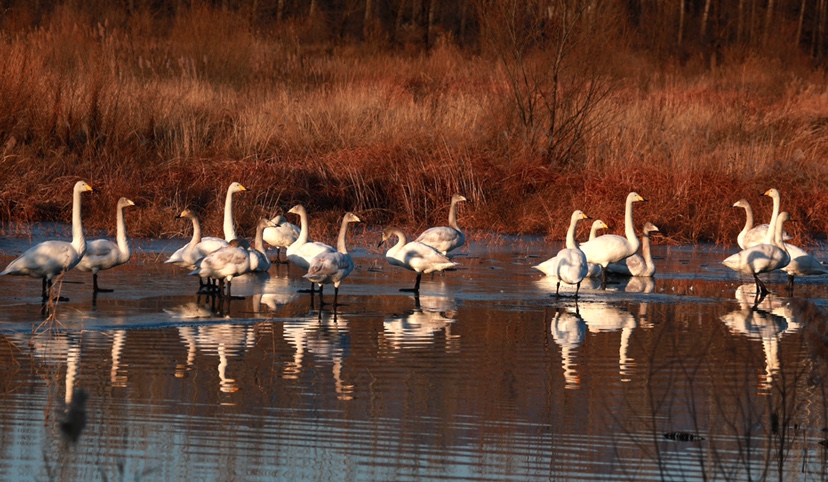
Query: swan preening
point(612, 248)
point(331, 267)
point(638, 264)
point(445, 238)
point(570, 264)
point(52, 258)
point(102, 254)
point(224, 264)
point(259, 261)
point(415, 256)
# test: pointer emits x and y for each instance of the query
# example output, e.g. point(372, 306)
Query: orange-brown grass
point(170, 112)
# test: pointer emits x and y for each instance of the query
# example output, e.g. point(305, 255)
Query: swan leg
point(558, 289)
point(790, 285)
point(416, 288)
point(336, 296)
point(95, 287)
point(45, 292)
point(577, 289)
point(603, 277)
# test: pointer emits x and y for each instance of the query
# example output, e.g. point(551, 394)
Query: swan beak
point(641, 198)
point(381, 243)
point(586, 216)
point(242, 188)
point(130, 203)
point(89, 188)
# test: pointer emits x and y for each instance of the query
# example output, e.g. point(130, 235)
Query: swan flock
point(218, 260)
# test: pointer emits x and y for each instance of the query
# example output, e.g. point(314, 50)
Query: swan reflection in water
point(768, 321)
point(605, 318)
point(324, 335)
point(226, 341)
point(419, 327)
point(568, 331)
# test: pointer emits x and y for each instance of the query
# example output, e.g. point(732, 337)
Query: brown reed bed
point(169, 112)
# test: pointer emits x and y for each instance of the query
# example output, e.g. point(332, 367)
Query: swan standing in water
point(751, 235)
point(103, 254)
point(302, 251)
point(762, 258)
point(224, 264)
point(415, 256)
point(281, 234)
point(333, 266)
point(638, 264)
point(594, 270)
point(801, 264)
point(445, 238)
point(188, 255)
point(259, 261)
point(570, 264)
point(51, 258)
point(612, 248)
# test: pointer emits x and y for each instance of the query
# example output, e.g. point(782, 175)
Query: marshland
point(531, 110)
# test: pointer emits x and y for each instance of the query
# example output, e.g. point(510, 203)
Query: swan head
point(266, 223)
point(599, 224)
point(579, 215)
point(236, 187)
point(741, 203)
point(124, 202)
point(650, 228)
point(187, 213)
point(351, 218)
point(298, 209)
point(239, 243)
point(82, 186)
point(457, 198)
point(278, 220)
point(635, 197)
point(772, 193)
point(389, 233)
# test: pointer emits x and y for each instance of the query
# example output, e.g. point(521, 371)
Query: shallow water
point(485, 376)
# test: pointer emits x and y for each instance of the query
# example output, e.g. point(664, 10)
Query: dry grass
point(168, 114)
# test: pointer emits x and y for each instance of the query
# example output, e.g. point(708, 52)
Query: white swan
point(51, 258)
point(597, 225)
point(638, 264)
point(333, 267)
point(751, 235)
point(103, 254)
point(594, 270)
point(302, 251)
point(762, 258)
point(445, 238)
point(189, 255)
point(801, 264)
point(224, 264)
point(570, 264)
point(415, 256)
point(611, 248)
point(259, 261)
point(229, 228)
point(280, 234)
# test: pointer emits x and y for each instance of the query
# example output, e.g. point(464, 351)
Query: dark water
point(484, 377)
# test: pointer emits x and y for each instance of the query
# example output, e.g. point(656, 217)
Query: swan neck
point(770, 237)
point(196, 232)
point(645, 250)
point(78, 241)
point(121, 234)
point(258, 243)
point(571, 242)
point(229, 230)
point(629, 228)
point(452, 220)
point(748, 218)
point(340, 242)
point(303, 227)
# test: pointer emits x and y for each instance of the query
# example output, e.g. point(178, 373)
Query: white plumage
point(302, 251)
point(638, 264)
point(189, 255)
point(103, 254)
point(570, 264)
point(331, 267)
point(280, 234)
point(224, 264)
point(611, 248)
point(259, 262)
point(415, 256)
point(51, 258)
point(445, 238)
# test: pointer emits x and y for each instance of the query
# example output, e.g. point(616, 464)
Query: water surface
point(484, 376)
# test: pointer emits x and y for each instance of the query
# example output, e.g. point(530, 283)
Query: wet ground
point(484, 376)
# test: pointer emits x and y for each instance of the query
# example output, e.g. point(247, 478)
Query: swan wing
point(281, 236)
point(802, 263)
point(442, 238)
point(44, 260)
point(609, 248)
point(572, 266)
point(423, 258)
point(549, 267)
